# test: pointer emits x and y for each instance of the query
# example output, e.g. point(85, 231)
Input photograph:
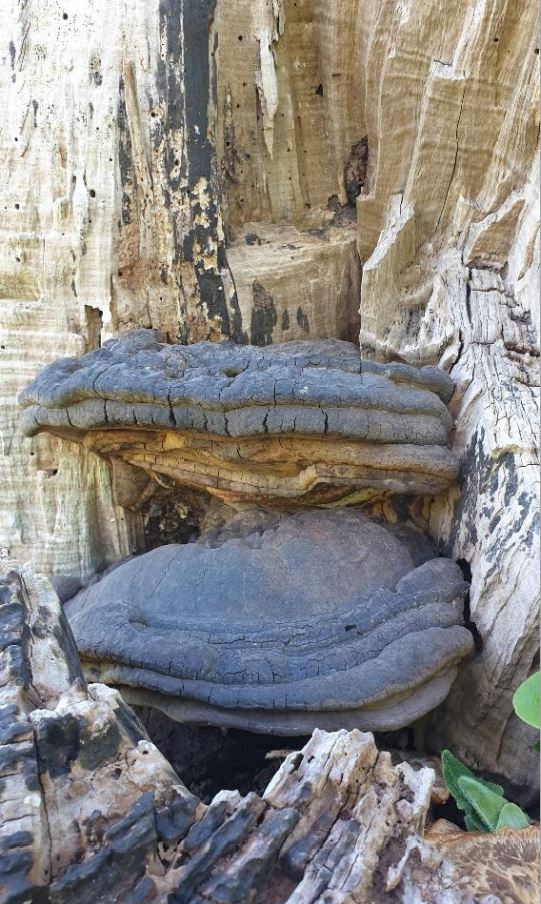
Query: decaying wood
point(506, 862)
point(448, 235)
point(91, 811)
point(191, 167)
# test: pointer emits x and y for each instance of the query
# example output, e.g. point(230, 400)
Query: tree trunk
point(194, 167)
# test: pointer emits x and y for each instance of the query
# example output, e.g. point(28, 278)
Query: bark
point(191, 167)
point(92, 812)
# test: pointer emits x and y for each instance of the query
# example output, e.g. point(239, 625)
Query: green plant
point(483, 804)
point(526, 701)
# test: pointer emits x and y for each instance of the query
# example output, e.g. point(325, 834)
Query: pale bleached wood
point(137, 151)
point(448, 233)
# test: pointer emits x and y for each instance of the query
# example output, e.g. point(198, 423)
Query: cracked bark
point(104, 132)
point(338, 819)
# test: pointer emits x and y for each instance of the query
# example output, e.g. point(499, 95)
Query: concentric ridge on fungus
point(319, 619)
point(306, 421)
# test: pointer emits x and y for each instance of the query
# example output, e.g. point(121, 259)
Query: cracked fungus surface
point(285, 625)
point(299, 420)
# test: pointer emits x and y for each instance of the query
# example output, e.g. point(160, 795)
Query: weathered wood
point(156, 172)
point(92, 812)
point(448, 235)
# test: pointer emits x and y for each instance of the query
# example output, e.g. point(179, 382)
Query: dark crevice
point(468, 295)
point(94, 325)
point(210, 760)
point(172, 517)
point(468, 623)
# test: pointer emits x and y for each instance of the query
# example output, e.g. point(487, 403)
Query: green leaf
point(486, 804)
point(526, 701)
point(453, 770)
point(473, 824)
point(483, 804)
point(512, 817)
point(492, 786)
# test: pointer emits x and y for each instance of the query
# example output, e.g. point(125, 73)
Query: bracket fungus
point(279, 623)
point(301, 422)
point(318, 619)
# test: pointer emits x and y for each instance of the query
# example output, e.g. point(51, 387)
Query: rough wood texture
point(126, 228)
point(293, 284)
point(119, 144)
point(448, 235)
point(79, 777)
point(91, 811)
point(506, 864)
